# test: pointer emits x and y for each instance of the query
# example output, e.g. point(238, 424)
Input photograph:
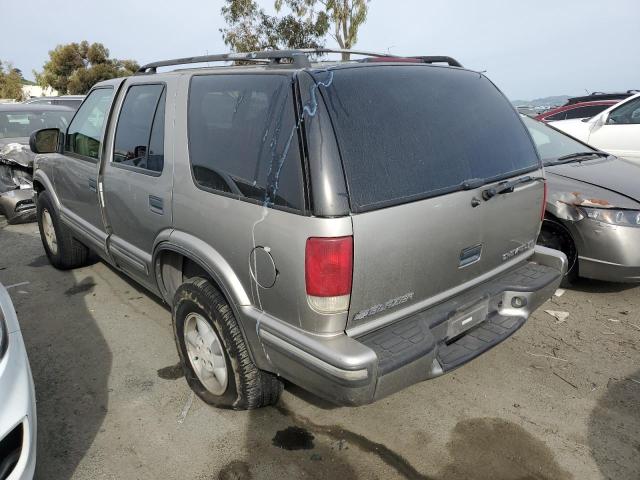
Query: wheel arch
point(41, 182)
point(552, 222)
point(181, 256)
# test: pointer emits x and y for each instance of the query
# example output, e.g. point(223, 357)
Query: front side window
point(626, 114)
point(139, 139)
point(84, 136)
point(243, 137)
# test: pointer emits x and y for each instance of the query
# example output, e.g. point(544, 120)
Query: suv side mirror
point(46, 140)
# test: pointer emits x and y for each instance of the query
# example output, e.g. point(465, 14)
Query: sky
point(529, 48)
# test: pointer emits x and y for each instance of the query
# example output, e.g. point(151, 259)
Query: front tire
point(64, 251)
point(214, 355)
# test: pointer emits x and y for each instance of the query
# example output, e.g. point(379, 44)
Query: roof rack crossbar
point(299, 58)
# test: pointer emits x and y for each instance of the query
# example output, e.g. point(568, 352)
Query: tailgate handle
point(470, 255)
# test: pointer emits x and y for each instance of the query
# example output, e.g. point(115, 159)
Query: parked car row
point(72, 101)
point(584, 107)
point(616, 130)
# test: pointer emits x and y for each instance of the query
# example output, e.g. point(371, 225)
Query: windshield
point(24, 122)
point(408, 132)
point(551, 143)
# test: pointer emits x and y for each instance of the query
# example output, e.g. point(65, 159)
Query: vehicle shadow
point(598, 286)
point(309, 397)
point(69, 357)
point(614, 426)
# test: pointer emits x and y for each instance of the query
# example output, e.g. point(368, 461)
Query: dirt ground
point(558, 400)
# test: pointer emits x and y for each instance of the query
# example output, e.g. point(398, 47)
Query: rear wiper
point(507, 187)
point(578, 155)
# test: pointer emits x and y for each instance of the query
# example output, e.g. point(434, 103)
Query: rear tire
point(64, 251)
point(214, 355)
point(555, 235)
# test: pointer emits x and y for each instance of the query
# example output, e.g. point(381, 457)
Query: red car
point(576, 110)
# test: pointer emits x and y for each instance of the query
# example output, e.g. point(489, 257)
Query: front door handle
point(156, 204)
point(93, 184)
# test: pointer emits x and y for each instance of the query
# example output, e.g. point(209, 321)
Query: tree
point(250, 28)
point(345, 16)
point(10, 82)
point(75, 67)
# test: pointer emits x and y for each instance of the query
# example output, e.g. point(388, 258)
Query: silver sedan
point(593, 207)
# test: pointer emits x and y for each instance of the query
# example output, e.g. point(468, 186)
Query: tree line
point(75, 67)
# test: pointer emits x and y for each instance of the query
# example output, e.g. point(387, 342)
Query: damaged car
point(17, 122)
point(593, 207)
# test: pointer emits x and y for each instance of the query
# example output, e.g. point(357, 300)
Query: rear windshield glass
point(24, 122)
point(410, 131)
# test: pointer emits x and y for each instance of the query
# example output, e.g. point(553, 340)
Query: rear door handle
point(156, 204)
point(93, 184)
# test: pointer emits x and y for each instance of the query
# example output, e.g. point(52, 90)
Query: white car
point(616, 130)
point(17, 399)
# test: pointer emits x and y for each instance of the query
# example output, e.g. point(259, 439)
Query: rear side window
point(586, 112)
point(627, 113)
point(243, 139)
point(556, 116)
point(410, 131)
point(84, 136)
point(139, 140)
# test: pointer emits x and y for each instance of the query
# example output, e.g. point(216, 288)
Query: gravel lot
point(558, 400)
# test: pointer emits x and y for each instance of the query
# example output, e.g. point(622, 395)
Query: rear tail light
point(328, 273)
point(544, 200)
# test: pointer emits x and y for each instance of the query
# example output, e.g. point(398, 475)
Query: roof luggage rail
point(440, 59)
point(296, 58)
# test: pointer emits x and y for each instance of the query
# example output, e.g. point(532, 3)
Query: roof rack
point(420, 59)
point(296, 58)
point(596, 96)
point(440, 59)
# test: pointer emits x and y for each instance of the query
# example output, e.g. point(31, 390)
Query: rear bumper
point(356, 371)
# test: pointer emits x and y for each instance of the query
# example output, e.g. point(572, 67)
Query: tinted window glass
point(84, 136)
point(556, 116)
point(155, 158)
point(629, 113)
point(133, 133)
point(243, 137)
point(408, 132)
point(586, 112)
